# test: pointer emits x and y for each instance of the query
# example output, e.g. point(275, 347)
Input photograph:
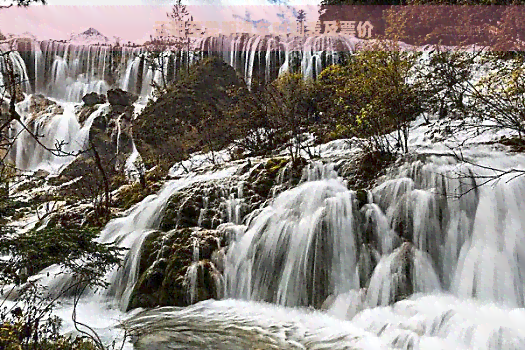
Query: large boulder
point(93, 98)
point(198, 205)
point(211, 203)
point(40, 105)
point(362, 170)
point(119, 97)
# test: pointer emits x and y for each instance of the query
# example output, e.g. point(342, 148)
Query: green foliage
point(500, 97)
point(75, 250)
point(30, 324)
point(370, 96)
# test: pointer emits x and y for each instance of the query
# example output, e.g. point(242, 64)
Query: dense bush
point(74, 249)
point(478, 87)
point(275, 114)
point(371, 96)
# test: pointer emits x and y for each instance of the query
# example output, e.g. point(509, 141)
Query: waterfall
point(129, 232)
point(13, 61)
point(68, 71)
point(428, 260)
point(460, 238)
point(306, 238)
point(59, 138)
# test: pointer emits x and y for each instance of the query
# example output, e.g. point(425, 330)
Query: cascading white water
point(14, 63)
point(68, 71)
point(315, 243)
point(306, 239)
point(467, 240)
point(50, 141)
point(427, 229)
point(462, 257)
point(129, 232)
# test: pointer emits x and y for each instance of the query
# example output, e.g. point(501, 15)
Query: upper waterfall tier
point(67, 70)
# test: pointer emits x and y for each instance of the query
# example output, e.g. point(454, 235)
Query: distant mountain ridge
point(90, 36)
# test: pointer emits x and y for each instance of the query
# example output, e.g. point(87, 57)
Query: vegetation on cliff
point(191, 115)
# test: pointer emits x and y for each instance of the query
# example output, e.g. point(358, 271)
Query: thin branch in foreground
point(498, 173)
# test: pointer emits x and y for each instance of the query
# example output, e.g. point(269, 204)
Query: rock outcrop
point(212, 203)
point(119, 97)
point(190, 116)
point(176, 268)
point(183, 263)
point(40, 105)
point(93, 98)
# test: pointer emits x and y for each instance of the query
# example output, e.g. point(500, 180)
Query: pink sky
point(130, 23)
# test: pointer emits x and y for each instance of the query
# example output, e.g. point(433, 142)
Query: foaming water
point(49, 141)
point(429, 228)
point(446, 322)
point(303, 240)
point(421, 322)
point(235, 324)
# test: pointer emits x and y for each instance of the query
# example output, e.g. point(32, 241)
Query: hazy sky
point(134, 20)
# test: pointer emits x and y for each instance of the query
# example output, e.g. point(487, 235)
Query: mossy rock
point(83, 112)
point(67, 219)
point(165, 259)
point(204, 204)
point(131, 194)
point(10, 207)
point(273, 165)
point(186, 207)
point(363, 171)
